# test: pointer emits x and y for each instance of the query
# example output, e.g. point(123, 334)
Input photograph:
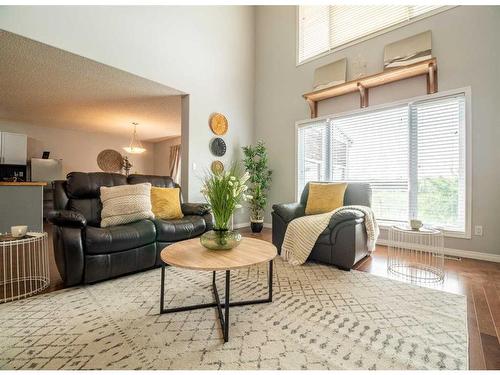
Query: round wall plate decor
point(110, 161)
point(217, 167)
point(218, 124)
point(217, 147)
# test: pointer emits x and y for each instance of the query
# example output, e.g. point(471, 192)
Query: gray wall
point(206, 52)
point(465, 42)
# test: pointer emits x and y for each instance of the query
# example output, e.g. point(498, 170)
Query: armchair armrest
point(199, 209)
point(345, 215)
point(289, 211)
point(67, 218)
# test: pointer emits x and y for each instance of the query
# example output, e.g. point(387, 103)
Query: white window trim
point(363, 38)
point(468, 148)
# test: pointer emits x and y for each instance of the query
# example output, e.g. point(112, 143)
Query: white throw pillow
point(125, 204)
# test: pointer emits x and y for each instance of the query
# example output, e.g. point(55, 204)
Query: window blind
point(312, 153)
point(378, 154)
point(413, 156)
point(439, 157)
point(325, 27)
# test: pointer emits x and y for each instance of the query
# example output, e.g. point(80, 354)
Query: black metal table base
point(223, 317)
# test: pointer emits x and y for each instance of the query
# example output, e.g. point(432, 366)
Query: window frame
point(360, 39)
point(467, 92)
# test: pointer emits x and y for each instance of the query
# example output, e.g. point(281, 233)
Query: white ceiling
point(47, 86)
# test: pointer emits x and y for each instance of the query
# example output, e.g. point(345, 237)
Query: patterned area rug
point(321, 318)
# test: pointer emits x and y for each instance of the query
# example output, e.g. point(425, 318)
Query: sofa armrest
point(289, 211)
point(200, 209)
point(345, 215)
point(67, 218)
point(209, 221)
point(69, 254)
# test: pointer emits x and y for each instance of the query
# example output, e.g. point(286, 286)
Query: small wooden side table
point(24, 267)
point(190, 254)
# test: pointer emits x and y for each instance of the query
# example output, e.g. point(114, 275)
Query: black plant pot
point(256, 226)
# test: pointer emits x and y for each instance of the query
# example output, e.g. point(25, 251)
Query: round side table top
point(192, 255)
point(423, 230)
point(7, 239)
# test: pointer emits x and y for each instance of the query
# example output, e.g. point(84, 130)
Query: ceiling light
point(135, 146)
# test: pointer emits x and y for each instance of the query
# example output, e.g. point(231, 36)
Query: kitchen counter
point(21, 203)
point(29, 183)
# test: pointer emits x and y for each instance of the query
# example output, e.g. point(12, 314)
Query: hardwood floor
point(478, 280)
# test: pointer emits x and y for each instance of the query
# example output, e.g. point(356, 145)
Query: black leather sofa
point(86, 253)
point(343, 242)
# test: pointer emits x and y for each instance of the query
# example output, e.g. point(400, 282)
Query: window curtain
point(175, 163)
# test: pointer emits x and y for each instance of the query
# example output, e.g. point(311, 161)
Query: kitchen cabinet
point(13, 148)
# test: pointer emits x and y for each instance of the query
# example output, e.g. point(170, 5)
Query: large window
point(412, 154)
point(322, 28)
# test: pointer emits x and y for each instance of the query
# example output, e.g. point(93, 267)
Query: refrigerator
point(46, 170)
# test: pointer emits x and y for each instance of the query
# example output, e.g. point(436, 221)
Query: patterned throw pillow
point(166, 203)
point(125, 204)
point(325, 197)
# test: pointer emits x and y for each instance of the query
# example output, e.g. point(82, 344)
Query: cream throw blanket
point(302, 233)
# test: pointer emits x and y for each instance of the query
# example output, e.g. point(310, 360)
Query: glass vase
point(220, 239)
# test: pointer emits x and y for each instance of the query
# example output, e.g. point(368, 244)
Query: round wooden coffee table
point(192, 255)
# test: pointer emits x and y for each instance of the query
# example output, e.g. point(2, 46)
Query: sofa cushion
point(180, 229)
point(104, 266)
point(125, 204)
point(158, 181)
point(325, 197)
point(119, 238)
point(90, 208)
point(83, 191)
point(82, 185)
point(166, 203)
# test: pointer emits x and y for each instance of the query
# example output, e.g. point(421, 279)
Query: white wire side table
point(416, 255)
point(24, 267)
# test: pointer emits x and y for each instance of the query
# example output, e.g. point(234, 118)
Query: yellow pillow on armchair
point(324, 197)
point(166, 203)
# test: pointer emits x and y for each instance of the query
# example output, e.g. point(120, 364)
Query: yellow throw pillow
point(166, 203)
point(324, 197)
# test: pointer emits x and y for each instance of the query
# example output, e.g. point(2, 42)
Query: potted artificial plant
point(224, 191)
point(256, 164)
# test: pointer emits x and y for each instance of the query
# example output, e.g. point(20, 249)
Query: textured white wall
point(207, 52)
point(465, 42)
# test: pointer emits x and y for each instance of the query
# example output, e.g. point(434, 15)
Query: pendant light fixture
point(135, 146)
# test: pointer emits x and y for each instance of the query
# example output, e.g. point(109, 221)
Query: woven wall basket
point(110, 161)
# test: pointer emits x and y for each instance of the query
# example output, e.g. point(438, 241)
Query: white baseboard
point(459, 253)
point(241, 225)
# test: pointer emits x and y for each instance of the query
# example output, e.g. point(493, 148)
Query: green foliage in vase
point(225, 191)
point(257, 165)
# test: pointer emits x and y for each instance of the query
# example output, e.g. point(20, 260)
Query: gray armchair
point(343, 242)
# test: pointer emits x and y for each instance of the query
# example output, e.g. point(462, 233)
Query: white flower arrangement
point(225, 192)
